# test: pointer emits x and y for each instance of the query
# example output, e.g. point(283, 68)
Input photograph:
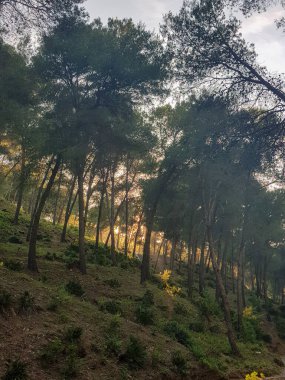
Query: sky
point(259, 29)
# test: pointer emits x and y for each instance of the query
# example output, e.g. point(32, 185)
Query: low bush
point(26, 302)
point(74, 288)
point(16, 370)
point(112, 307)
point(197, 326)
point(51, 352)
point(208, 306)
point(113, 345)
point(15, 240)
point(113, 283)
point(144, 315)
point(148, 298)
point(178, 332)
point(5, 300)
point(13, 265)
point(135, 355)
point(73, 334)
point(179, 362)
point(180, 309)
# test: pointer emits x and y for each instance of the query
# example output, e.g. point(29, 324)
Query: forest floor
point(105, 325)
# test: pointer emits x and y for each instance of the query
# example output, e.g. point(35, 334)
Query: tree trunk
point(172, 253)
point(21, 187)
point(57, 197)
point(32, 261)
point(38, 198)
point(225, 302)
point(68, 210)
point(102, 193)
point(112, 214)
point(137, 233)
point(127, 207)
point(81, 230)
point(202, 268)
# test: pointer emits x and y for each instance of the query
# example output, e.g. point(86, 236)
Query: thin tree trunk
point(21, 187)
point(82, 259)
point(103, 190)
point(57, 196)
point(127, 207)
point(225, 302)
point(137, 233)
point(202, 268)
point(112, 214)
point(68, 210)
point(38, 198)
point(32, 261)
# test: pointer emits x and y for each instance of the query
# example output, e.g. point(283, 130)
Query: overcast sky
point(259, 29)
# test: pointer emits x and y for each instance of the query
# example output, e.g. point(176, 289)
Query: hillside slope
point(59, 324)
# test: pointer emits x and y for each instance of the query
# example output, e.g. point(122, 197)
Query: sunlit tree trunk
point(68, 210)
point(21, 187)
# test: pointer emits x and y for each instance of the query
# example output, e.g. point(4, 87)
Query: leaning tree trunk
point(81, 236)
point(38, 198)
point(32, 262)
point(68, 210)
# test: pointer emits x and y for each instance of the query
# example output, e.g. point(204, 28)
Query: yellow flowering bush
point(170, 289)
point(248, 312)
point(254, 376)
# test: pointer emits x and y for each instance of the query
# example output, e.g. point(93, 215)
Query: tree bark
point(225, 302)
point(68, 210)
point(32, 261)
point(137, 233)
point(81, 230)
point(21, 187)
point(38, 198)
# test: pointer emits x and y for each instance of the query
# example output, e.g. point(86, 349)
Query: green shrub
point(144, 315)
point(113, 345)
point(208, 306)
point(73, 334)
point(74, 288)
point(16, 370)
point(13, 265)
point(112, 307)
point(175, 330)
point(26, 302)
point(255, 302)
point(5, 300)
point(197, 326)
point(179, 362)
point(54, 304)
point(135, 354)
point(51, 352)
point(249, 330)
point(148, 298)
point(155, 358)
point(15, 240)
point(113, 283)
point(70, 367)
point(180, 309)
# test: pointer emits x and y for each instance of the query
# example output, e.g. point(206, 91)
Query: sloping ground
point(59, 334)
